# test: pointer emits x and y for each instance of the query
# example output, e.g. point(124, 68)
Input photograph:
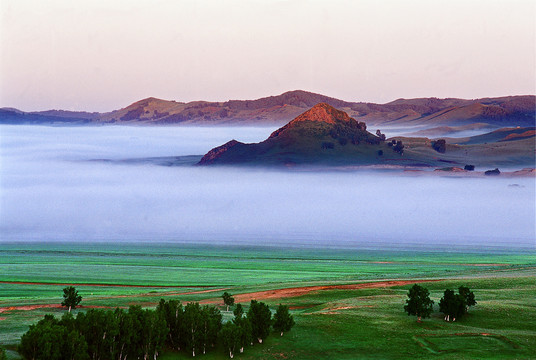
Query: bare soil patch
point(299, 291)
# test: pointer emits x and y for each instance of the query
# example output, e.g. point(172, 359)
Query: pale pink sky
point(101, 55)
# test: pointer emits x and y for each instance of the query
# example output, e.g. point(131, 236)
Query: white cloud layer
point(50, 191)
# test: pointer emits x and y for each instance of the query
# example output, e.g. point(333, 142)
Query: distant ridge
point(278, 110)
point(326, 136)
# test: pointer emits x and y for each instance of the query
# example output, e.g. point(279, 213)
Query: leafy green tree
point(71, 299)
point(245, 327)
point(238, 311)
point(211, 326)
point(148, 332)
point(283, 321)
point(260, 317)
point(418, 302)
point(124, 336)
point(155, 333)
point(192, 324)
point(230, 336)
point(452, 305)
point(173, 314)
point(3, 355)
point(44, 340)
point(467, 295)
point(98, 331)
point(75, 347)
point(228, 299)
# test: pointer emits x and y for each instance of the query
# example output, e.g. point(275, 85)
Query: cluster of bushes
point(380, 135)
point(451, 305)
point(397, 146)
point(439, 145)
point(354, 132)
point(139, 333)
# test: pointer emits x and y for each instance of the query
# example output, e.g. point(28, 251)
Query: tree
point(418, 302)
point(124, 337)
point(192, 326)
point(71, 299)
point(173, 314)
point(439, 145)
point(283, 321)
point(3, 355)
point(211, 325)
point(238, 311)
point(260, 317)
point(230, 335)
point(398, 147)
point(452, 305)
point(228, 299)
point(492, 172)
point(469, 167)
point(380, 135)
point(44, 340)
point(467, 295)
point(245, 327)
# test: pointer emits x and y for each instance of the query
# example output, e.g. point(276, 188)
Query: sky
point(102, 55)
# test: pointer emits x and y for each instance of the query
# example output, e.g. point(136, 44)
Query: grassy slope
point(332, 324)
point(303, 145)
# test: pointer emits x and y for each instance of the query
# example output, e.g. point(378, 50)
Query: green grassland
point(330, 324)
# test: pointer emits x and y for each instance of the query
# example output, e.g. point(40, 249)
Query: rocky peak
point(323, 112)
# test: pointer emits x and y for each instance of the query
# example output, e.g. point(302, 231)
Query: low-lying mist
point(50, 191)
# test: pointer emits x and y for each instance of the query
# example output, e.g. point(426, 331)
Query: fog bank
point(50, 191)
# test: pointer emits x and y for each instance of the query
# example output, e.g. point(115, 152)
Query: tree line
point(451, 305)
point(138, 333)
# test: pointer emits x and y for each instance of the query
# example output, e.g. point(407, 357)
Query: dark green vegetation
point(283, 321)
point(71, 299)
point(228, 299)
point(326, 136)
point(418, 302)
point(454, 306)
point(333, 323)
point(136, 333)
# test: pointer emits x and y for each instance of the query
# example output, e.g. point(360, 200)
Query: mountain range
point(326, 136)
point(508, 111)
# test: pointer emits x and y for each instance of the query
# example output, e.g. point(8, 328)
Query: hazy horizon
point(103, 55)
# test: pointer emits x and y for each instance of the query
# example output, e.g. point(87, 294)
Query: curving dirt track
point(299, 291)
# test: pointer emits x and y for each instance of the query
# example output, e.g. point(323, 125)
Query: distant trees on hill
point(397, 146)
point(139, 333)
point(380, 135)
point(439, 145)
